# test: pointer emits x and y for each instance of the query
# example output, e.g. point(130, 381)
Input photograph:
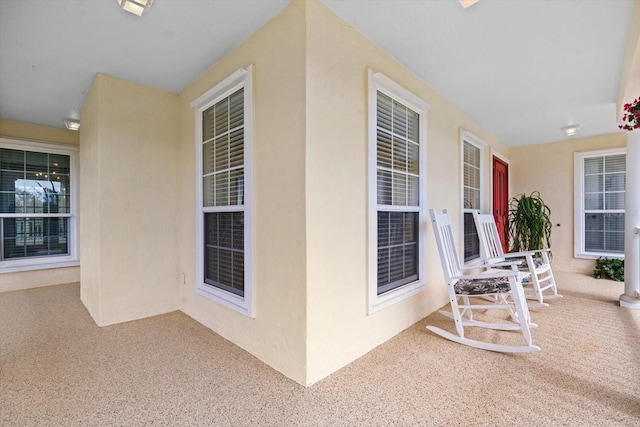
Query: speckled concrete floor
point(58, 369)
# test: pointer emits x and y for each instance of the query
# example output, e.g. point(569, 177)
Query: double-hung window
point(37, 206)
point(224, 129)
point(472, 193)
point(599, 203)
point(397, 146)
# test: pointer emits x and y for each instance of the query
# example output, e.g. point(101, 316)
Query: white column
point(631, 296)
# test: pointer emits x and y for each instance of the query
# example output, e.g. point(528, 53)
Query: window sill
point(380, 302)
point(596, 255)
point(227, 299)
point(32, 265)
point(473, 262)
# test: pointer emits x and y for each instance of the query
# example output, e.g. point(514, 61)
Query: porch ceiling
point(522, 69)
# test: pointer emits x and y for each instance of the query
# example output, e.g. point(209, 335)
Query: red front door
point(501, 198)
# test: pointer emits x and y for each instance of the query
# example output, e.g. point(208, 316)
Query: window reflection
point(40, 196)
point(34, 183)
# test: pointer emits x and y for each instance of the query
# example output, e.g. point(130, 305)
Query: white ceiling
point(522, 68)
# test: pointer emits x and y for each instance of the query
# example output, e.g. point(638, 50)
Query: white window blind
point(223, 152)
point(398, 153)
point(471, 165)
point(471, 189)
point(223, 186)
point(600, 191)
point(398, 186)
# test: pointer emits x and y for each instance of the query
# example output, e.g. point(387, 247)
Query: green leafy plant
point(529, 223)
point(609, 268)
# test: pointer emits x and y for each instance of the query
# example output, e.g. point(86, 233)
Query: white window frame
point(242, 78)
point(54, 261)
point(470, 138)
point(377, 82)
point(578, 199)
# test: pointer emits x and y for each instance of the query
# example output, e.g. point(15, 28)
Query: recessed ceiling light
point(137, 7)
point(571, 130)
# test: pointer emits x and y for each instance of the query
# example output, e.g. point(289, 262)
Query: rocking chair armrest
point(508, 263)
point(474, 267)
point(492, 265)
point(521, 254)
point(524, 253)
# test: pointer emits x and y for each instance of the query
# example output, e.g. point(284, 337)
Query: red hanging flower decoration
point(631, 116)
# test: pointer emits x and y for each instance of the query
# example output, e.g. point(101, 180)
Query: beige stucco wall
point(89, 206)
point(128, 201)
point(277, 334)
point(339, 328)
point(310, 186)
point(548, 168)
point(37, 278)
point(28, 131)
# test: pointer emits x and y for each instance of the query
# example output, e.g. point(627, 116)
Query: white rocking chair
point(538, 277)
point(502, 284)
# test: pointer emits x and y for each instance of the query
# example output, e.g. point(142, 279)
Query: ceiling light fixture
point(571, 130)
point(137, 7)
point(72, 124)
point(466, 3)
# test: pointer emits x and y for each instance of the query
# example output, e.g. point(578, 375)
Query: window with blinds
point(224, 129)
point(604, 200)
point(396, 177)
point(37, 205)
point(223, 193)
point(600, 203)
point(471, 190)
point(398, 192)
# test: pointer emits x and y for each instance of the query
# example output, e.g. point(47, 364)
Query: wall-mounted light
point(137, 7)
point(571, 130)
point(72, 124)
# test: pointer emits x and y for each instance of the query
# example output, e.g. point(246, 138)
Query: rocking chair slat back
point(446, 246)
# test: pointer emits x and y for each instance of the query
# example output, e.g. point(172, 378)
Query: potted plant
point(529, 223)
point(631, 116)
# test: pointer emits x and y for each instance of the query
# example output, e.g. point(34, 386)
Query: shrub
point(609, 268)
